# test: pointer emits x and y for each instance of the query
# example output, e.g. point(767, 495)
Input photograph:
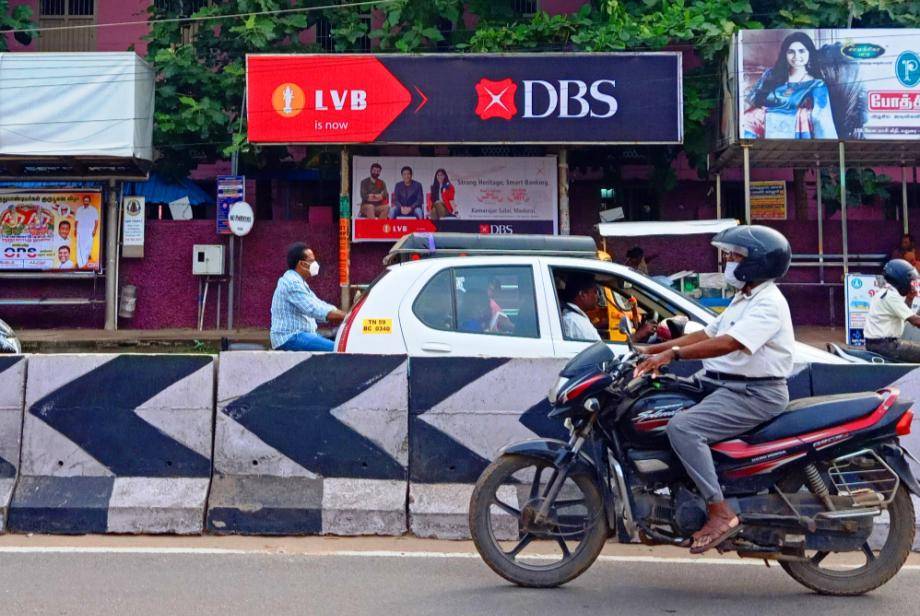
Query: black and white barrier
point(12, 388)
point(115, 443)
point(310, 443)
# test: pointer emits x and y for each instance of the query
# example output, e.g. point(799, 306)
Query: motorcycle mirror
point(626, 330)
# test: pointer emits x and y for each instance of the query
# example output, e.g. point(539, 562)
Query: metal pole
point(565, 225)
point(234, 170)
point(820, 223)
point(111, 258)
point(843, 209)
point(718, 195)
point(718, 214)
point(345, 228)
point(904, 197)
point(747, 183)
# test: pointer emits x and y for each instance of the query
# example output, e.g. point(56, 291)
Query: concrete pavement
point(173, 576)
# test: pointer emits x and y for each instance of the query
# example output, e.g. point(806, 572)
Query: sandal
point(714, 533)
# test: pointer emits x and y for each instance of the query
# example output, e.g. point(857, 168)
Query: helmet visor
point(731, 248)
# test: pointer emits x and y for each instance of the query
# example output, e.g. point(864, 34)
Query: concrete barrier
point(12, 388)
point(310, 444)
point(115, 443)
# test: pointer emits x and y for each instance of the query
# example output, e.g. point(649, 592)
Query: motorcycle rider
point(890, 310)
point(747, 353)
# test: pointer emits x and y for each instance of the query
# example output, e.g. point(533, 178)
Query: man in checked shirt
point(295, 307)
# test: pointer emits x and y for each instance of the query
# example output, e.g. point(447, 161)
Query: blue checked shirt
point(295, 308)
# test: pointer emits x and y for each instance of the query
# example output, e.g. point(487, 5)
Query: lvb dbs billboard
point(470, 98)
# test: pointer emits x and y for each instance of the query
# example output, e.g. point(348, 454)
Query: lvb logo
point(496, 99)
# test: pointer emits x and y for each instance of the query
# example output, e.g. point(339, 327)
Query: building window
point(184, 8)
point(67, 14)
point(525, 8)
point(324, 34)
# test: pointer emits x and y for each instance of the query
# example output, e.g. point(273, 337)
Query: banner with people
point(396, 195)
point(50, 230)
point(829, 84)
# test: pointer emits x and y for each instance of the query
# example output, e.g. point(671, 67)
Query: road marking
point(192, 551)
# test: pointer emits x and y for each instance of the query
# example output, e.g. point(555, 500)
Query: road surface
point(169, 576)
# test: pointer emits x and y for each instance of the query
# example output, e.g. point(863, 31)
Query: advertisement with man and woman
point(392, 196)
point(50, 230)
point(829, 84)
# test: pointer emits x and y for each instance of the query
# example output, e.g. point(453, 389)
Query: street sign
point(230, 190)
point(465, 98)
point(240, 218)
point(860, 289)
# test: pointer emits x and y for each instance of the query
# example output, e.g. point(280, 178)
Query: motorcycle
point(856, 356)
point(9, 343)
point(824, 488)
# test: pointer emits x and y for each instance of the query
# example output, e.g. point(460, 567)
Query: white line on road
point(365, 554)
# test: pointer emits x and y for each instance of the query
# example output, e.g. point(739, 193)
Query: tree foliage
point(20, 19)
point(201, 82)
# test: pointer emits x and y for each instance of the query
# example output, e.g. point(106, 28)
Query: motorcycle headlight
point(558, 386)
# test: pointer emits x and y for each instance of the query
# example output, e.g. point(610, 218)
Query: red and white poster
point(396, 195)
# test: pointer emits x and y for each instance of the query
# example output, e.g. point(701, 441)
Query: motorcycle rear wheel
point(500, 473)
point(878, 569)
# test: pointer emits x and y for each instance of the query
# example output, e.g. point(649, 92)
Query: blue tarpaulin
point(158, 190)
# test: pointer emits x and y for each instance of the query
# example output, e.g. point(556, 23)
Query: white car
point(497, 296)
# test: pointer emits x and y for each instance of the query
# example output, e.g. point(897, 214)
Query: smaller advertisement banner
point(50, 230)
point(132, 231)
point(768, 200)
point(230, 189)
point(860, 289)
point(393, 196)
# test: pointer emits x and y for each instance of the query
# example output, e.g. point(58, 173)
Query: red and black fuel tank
point(645, 417)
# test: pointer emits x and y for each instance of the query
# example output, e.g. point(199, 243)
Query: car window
point(496, 300)
point(618, 297)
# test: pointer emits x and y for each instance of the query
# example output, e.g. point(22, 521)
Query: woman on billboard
point(441, 197)
point(791, 100)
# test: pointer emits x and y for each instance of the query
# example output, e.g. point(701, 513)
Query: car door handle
point(436, 347)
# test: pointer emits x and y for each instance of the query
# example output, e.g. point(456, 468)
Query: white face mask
point(314, 268)
point(730, 268)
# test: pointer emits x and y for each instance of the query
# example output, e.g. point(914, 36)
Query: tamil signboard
point(768, 200)
point(828, 84)
point(132, 230)
point(230, 189)
point(50, 230)
point(465, 98)
point(395, 195)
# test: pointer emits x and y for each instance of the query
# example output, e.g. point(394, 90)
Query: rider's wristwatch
point(676, 350)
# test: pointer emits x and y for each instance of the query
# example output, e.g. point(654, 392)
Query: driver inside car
point(747, 356)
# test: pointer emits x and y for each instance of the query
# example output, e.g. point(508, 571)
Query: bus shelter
point(822, 99)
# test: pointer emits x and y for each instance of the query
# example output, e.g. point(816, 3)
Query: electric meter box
point(208, 259)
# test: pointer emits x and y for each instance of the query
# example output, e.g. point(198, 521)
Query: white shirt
point(762, 324)
point(576, 325)
point(68, 264)
point(86, 218)
point(888, 312)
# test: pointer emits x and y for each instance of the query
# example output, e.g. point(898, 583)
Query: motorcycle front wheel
point(520, 549)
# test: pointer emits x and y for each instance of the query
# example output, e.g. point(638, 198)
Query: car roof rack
point(415, 246)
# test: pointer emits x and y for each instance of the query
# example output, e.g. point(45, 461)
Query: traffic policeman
point(890, 310)
point(747, 354)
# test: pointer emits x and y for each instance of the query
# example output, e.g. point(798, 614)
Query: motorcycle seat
point(810, 414)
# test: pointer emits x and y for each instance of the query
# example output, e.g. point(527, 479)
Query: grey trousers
point(734, 408)
point(906, 351)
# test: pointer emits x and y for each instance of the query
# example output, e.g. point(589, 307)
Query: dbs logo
point(496, 99)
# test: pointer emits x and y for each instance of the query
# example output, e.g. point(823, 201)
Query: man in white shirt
point(64, 261)
point(747, 354)
point(579, 296)
point(890, 310)
point(87, 218)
